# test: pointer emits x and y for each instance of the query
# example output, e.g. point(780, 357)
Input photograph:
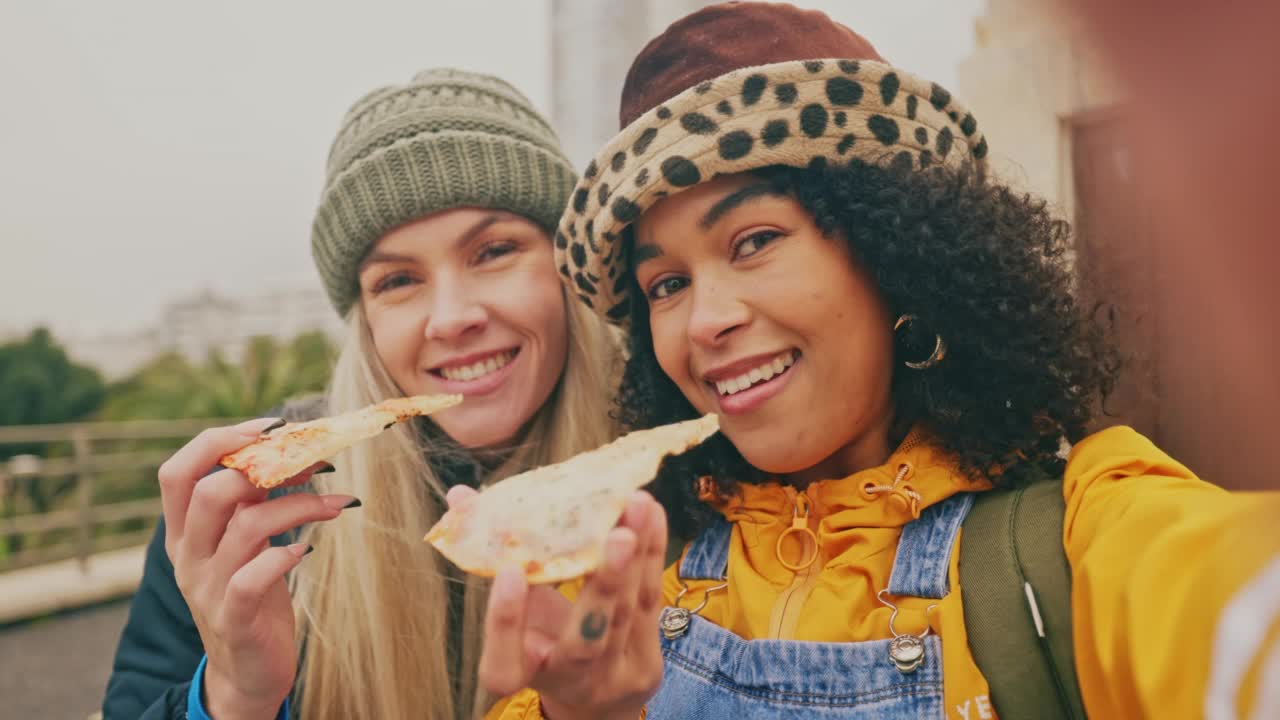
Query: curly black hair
point(983, 266)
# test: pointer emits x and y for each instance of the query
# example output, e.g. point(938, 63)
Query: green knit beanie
point(449, 138)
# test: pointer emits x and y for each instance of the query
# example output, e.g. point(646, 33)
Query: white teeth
point(756, 375)
point(478, 369)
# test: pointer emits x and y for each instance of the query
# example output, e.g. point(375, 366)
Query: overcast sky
point(150, 148)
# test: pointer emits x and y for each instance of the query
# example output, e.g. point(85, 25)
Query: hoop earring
point(939, 346)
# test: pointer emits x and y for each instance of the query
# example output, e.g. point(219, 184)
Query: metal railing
point(85, 453)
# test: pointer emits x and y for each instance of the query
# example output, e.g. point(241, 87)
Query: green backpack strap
point(1016, 586)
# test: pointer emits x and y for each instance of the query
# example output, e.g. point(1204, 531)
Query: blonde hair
point(372, 601)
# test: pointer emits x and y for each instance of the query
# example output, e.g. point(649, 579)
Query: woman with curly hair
point(800, 238)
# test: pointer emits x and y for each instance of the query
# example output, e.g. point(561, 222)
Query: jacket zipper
point(788, 606)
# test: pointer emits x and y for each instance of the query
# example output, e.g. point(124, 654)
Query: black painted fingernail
point(353, 504)
point(309, 549)
point(273, 426)
point(325, 468)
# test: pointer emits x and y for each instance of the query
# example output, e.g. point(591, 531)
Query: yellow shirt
point(1157, 559)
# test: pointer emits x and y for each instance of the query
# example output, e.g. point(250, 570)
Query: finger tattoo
point(593, 626)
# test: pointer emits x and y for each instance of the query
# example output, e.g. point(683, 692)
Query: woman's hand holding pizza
point(597, 657)
point(217, 532)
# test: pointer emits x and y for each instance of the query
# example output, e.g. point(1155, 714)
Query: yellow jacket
point(1176, 583)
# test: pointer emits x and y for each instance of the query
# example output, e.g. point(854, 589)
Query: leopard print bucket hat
point(739, 86)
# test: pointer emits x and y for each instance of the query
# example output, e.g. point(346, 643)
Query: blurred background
point(160, 165)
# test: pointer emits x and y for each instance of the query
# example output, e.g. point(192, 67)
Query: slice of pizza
point(292, 448)
point(553, 520)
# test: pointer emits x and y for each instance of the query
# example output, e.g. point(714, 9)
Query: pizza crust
point(552, 521)
point(291, 449)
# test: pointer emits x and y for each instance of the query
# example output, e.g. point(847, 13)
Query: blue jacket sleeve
point(195, 705)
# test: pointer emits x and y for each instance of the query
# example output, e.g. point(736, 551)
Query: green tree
point(268, 373)
point(40, 384)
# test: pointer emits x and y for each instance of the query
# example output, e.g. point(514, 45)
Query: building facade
point(207, 322)
point(1056, 125)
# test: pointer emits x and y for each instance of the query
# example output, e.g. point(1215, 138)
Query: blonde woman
point(433, 239)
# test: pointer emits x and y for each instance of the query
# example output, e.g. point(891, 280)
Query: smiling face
point(757, 316)
point(467, 301)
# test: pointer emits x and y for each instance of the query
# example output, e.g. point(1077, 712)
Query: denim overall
point(710, 672)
